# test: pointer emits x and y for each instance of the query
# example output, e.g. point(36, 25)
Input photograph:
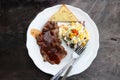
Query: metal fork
point(69, 65)
point(78, 51)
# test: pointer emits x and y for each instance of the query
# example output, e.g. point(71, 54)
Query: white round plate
point(86, 58)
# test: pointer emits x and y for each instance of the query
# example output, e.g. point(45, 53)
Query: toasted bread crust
point(63, 14)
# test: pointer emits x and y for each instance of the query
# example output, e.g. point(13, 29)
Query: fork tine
point(80, 50)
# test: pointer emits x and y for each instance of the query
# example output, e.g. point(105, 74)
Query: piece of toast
point(63, 14)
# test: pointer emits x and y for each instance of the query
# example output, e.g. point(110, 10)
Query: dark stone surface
point(15, 17)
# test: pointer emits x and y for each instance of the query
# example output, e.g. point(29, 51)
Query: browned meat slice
point(50, 44)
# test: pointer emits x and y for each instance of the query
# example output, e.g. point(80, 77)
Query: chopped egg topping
point(75, 34)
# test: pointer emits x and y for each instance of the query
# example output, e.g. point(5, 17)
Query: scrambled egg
point(75, 34)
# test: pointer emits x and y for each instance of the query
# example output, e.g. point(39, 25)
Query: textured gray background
point(15, 17)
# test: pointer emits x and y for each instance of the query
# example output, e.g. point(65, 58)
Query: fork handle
point(57, 76)
point(66, 73)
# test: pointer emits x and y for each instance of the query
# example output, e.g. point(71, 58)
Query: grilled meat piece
point(50, 44)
